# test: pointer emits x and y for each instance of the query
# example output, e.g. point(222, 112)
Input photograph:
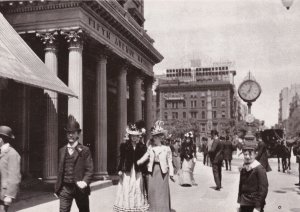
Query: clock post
point(249, 90)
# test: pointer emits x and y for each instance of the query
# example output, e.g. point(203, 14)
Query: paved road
point(283, 195)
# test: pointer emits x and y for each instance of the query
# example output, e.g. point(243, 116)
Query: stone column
point(148, 106)
point(51, 121)
point(122, 105)
point(25, 126)
point(137, 101)
point(101, 120)
point(75, 105)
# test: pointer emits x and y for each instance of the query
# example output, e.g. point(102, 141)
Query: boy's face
point(249, 156)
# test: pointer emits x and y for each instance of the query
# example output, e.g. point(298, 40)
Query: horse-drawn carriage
point(277, 147)
point(272, 138)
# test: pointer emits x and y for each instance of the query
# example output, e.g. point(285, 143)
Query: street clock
point(249, 90)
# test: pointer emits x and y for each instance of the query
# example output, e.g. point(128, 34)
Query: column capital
point(49, 39)
point(74, 37)
point(149, 81)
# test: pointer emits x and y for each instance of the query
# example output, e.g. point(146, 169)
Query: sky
point(260, 36)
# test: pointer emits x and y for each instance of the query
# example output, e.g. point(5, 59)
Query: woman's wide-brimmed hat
point(189, 135)
point(158, 128)
point(72, 125)
point(133, 130)
point(6, 131)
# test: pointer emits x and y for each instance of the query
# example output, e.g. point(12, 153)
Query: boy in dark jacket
point(253, 187)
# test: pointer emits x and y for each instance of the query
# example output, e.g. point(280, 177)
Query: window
point(166, 116)
point(223, 114)
point(175, 105)
point(183, 104)
point(193, 103)
point(203, 127)
point(166, 104)
point(214, 114)
point(203, 103)
point(223, 103)
point(174, 115)
point(214, 103)
point(184, 115)
point(203, 115)
point(194, 115)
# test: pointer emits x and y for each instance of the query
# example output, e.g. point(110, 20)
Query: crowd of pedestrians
point(145, 168)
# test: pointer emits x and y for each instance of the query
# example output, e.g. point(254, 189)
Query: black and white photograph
point(150, 106)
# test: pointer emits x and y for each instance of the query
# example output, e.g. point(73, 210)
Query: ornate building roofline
point(109, 10)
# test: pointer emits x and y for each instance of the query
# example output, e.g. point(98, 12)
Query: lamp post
point(287, 3)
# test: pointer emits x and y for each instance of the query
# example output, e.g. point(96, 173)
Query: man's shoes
point(297, 184)
point(217, 188)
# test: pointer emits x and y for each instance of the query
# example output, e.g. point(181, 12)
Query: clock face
point(249, 90)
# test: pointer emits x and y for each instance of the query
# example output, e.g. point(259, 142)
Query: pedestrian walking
point(131, 192)
point(188, 158)
point(175, 148)
point(9, 168)
point(217, 156)
point(296, 152)
point(209, 145)
point(228, 149)
point(160, 169)
point(204, 149)
point(253, 185)
point(75, 171)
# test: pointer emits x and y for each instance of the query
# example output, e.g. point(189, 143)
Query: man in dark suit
point(217, 156)
point(75, 171)
point(9, 169)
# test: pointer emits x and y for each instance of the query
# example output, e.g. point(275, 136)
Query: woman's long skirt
point(186, 172)
point(131, 194)
point(159, 190)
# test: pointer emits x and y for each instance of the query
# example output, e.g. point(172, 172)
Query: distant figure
point(205, 150)
point(188, 159)
point(253, 186)
point(217, 156)
point(175, 147)
point(296, 152)
point(228, 149)
point(9, 168)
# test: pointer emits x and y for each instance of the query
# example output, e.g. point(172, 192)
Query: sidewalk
point(42, 193)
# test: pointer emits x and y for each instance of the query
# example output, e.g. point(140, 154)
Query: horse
point(283, 152)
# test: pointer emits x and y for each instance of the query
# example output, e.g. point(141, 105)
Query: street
point(283, 196)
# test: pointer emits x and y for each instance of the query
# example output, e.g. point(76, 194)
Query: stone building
point(205, 94)
point(102, 52)
point(286, 97)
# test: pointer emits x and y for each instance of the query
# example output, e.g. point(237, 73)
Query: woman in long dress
point(131, 194)
point(160, 169)
point(188, 158)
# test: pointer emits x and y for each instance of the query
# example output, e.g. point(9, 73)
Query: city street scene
point(150, 106)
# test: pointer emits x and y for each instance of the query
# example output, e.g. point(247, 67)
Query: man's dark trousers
point(69, 192)
point(217, 172)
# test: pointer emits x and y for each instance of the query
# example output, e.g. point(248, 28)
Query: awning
point(18, 62)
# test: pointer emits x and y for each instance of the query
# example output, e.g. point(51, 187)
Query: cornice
point(110, 11)
point(37, 6)
point(127, 24)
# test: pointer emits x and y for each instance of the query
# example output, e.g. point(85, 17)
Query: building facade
point(102, 52)
point(286, 97)
point(204, 94)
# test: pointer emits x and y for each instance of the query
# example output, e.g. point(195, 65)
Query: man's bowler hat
point(72, 125)
point(6, 131)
